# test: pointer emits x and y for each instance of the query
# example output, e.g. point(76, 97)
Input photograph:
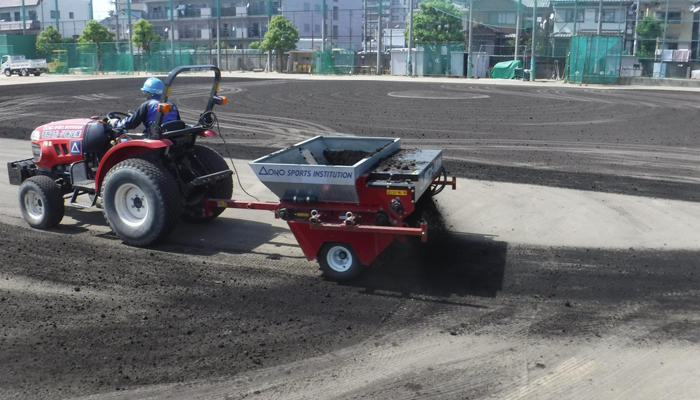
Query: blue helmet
point(154, 86)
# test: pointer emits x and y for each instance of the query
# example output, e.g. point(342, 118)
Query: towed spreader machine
point(346, 199)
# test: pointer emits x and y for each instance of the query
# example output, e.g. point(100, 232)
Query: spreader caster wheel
point(41, 202)
point(338, 261)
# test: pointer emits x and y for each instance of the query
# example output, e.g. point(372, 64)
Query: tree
point(144, 35)
point(48, 41)
point(281, 36)
point(95, 32)
point(437, 22)
point(254, 45)
point(648, 30)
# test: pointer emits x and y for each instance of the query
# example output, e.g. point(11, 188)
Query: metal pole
point(600, 17)
point(517, 30)
point(172, 32)
point(131, 44)
point(55, 7)
point(24, 20)
point(410, 38)
point(663, 41)
point(575, 17)
point(323, 26)
point(469, 56)
point(218, 34)
point(269, 51)
point(636, 24)
point(116, 19)
point(379, 38)
point(90, 10)
point(534, 28)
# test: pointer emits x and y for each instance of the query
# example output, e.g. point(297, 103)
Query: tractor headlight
point(35, 136)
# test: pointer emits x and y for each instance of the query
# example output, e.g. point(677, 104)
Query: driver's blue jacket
point(146, 114)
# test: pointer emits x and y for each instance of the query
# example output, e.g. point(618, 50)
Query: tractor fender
point(123, 151)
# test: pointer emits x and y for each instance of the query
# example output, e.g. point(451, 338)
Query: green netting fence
point(6, 50)
point(71, 58)
point(340, 60)
point(117, 57)
point(595, 59)
point(439, 59)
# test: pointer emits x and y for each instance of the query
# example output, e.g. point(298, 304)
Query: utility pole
point(469, 55)
point(575, 17)
point(600, 17)
point(410, 39)
point(116, 18)
point(172, 32)
point(90, 11)
point(534, 29)
point(129, 31)
point(269, 19)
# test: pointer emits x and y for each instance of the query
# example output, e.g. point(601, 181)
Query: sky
point(100, 9)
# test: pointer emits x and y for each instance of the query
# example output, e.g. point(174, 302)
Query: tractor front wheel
point(338, 261)
point(141, 201)
point(41, 202)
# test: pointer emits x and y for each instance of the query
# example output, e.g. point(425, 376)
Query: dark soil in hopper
point(345, 157)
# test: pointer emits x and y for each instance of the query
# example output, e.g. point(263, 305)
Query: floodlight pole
point(636, 24)
point(469, 56)
point(172, 32)
point(379, 37)
point(532, 56)
point(218, 34)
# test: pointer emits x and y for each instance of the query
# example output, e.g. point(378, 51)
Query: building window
point(674, 17)
point(335, 32)
point(317, 28)
point(317, 7)
point(608, 16)
point(307, 7)
point(570, 16)
point(5, 17)
point(18, 16)
point(502, 18)
point(307, 28)
point(32, 16)
point(335, 13)
point(53, 14)
point(71, 15)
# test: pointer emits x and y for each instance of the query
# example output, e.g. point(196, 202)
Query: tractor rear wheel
point(141, 201)
point(338, 261)
point(41, 202)
point(223, 189)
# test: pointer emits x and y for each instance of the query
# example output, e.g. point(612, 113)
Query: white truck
point(18, 65)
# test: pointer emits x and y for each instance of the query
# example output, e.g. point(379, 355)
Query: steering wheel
point(114, 115)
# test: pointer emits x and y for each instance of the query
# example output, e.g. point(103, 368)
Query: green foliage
point(254, 45)
point(95, 32)
point(648, 29)
point(437, 22)
point(48, 41)
point(144, 35)
point(281, 35)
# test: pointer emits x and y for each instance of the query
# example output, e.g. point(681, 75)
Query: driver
point(146, 113)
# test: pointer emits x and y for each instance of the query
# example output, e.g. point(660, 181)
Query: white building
point(69, 18)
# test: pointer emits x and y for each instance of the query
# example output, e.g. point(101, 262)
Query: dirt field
point(470, 315)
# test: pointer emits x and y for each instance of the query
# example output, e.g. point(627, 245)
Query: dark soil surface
point(345, 157)
point(83, 314)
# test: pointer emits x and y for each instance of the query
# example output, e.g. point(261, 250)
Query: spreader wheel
point(338, 261)
point(41, 202)
point(211, 162)
point(141, 201)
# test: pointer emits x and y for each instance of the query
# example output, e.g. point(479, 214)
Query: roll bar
point(189, 68)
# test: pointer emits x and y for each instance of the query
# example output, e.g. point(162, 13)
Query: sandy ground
point(569, 270)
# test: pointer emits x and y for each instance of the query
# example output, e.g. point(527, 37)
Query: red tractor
point(146, 183)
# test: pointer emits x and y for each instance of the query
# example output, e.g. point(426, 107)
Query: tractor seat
point(175, 125)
